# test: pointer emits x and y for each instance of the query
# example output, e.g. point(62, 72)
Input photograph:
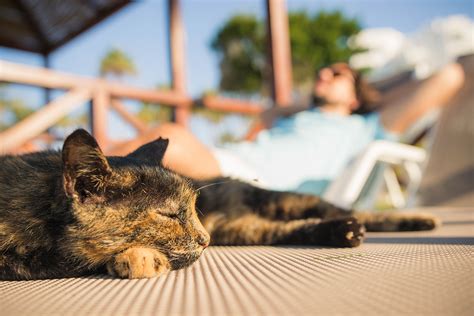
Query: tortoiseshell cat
point(78, 212)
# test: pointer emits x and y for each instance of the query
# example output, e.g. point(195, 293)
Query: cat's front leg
point(343, 232)
point(138, 263)
point(251, 229)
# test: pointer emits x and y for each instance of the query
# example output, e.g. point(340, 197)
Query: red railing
point(105, 96)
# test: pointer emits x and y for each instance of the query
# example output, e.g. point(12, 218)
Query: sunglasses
point(340, 72)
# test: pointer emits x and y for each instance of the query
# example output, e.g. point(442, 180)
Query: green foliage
point(316, 40)
point(79, 120)
point(240, 42)
point(155, 113)
point(12, 111)
point(214, 116)
point(152, 113)
point(226, 138)
point(117, 63)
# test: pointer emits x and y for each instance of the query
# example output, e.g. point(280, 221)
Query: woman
point(304, 147)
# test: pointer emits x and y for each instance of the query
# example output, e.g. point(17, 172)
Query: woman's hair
point(367, 95)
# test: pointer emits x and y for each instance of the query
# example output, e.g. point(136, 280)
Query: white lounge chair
point(360, 183)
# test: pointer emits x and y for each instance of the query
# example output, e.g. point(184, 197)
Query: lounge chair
point(358, 186)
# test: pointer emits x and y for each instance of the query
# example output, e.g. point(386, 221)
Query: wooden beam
point(280, 53)
point(42, 119)
point(166, 97)
point(177, 58)
point(36, 76)
point(41, 77)
point(231, 105)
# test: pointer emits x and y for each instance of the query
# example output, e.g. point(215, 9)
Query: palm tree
point(117, 64)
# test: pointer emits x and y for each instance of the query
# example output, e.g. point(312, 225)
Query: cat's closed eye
point(178, 216)
point(174, 216)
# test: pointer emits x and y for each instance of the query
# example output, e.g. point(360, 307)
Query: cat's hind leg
point(291, 206)
point(397, 221)
point(252, 229)
point(138, 263)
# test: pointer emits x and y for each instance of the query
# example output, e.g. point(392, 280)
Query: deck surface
point(392, 273)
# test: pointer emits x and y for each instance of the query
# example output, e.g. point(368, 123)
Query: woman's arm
point(435, 92)
point(269, 116)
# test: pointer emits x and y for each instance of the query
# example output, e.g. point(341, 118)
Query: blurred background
point(210, 65)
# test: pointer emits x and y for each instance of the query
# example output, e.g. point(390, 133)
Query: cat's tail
point(397, 221)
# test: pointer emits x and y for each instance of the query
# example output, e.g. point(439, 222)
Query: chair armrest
point(346, 188)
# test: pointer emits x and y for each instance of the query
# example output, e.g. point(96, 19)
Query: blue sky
point(140, 31)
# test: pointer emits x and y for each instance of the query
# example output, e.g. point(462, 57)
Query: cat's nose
point(203, 240)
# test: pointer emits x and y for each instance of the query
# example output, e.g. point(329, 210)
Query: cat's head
point(123, 202)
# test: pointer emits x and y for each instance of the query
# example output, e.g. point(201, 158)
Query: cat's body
point(237, 213)
point(76, 212)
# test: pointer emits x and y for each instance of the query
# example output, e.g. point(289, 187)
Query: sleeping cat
point(77, 212)
point(72, 213)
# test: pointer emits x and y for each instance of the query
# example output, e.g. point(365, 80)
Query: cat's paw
point(347, 232)
point(138, 263)
point(418, 222)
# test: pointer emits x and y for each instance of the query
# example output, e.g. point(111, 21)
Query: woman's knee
point(169, 130)
point(453, 75)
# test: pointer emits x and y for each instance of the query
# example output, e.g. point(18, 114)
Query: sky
point(140, 31)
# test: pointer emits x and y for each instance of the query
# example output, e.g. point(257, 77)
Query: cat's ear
point(152, 152)
point(85, 168)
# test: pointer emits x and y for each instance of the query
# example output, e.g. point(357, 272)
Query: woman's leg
point(185, 154)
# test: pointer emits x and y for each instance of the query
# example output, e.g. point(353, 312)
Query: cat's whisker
point(212, 184)
point(197, 209)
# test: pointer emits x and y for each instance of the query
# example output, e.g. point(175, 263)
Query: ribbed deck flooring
point(413, 273)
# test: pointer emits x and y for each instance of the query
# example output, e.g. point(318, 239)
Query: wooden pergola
point(42, 26)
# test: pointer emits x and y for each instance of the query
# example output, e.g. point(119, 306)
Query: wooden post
point(100, 104)
point(280, 54)
point(177, 59)
point(47, 91)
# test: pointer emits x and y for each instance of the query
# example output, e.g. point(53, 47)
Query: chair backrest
point(362, 181)
point(449, 174)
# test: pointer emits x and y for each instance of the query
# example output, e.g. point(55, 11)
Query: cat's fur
point(74, 212)
point(78, 212)
point(237, 213)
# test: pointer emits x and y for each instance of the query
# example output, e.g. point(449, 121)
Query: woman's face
point(336, 85)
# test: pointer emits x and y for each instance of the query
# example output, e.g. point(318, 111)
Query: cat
point(79, 212)
point(76, 212)
point(238, 213)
